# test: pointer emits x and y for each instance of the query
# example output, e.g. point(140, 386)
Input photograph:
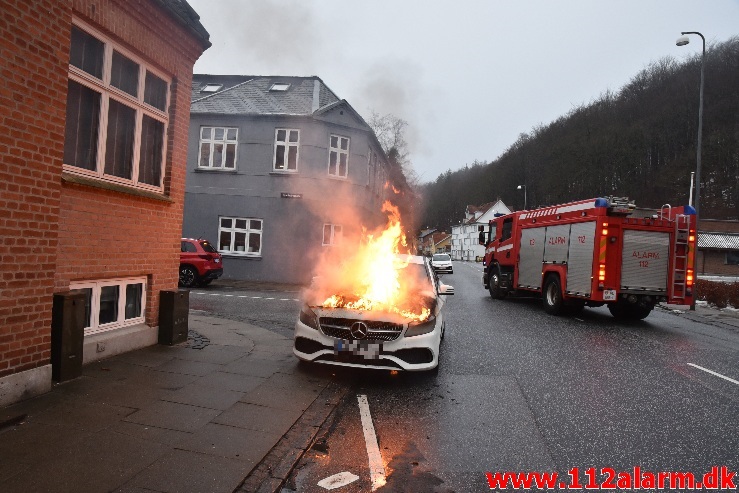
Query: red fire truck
point(593, 252)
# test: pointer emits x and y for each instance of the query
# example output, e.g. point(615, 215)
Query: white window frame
point(335, 236)
point(248, 231)
point(212, 142)
point(94, 327)
point(339, 152)
point(107, 92)
point(287, 145)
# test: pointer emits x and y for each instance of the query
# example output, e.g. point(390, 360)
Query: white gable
point(498, 208)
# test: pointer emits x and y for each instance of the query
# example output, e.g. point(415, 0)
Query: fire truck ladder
point(680, 257)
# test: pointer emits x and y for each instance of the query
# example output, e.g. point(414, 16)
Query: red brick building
point(94, 112)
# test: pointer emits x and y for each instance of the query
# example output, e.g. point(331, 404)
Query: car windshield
point(417, 276)
point(442, 257)
point(208, 247)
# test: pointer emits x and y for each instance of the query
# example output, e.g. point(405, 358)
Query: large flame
point(373, 276)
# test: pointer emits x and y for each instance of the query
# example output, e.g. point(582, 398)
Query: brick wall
point(34, 44)
point(713, 262)
point(53, 231)
point(107, 234)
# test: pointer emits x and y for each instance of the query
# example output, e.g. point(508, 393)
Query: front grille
point(339, 328)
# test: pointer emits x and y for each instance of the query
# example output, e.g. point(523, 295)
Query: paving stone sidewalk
point(200, 416)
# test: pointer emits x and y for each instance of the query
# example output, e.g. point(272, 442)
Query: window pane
point(218, 134)
point(205, 154)
point(108, 305)
point(344, 144)
point(217, 155)
point(280, 157)
point(334, 141)
point(231, 134)
point(326, 234)
point(124, 74)
point(241, 223)
point(119, 146)
point(230, 155)
point(86, 52)
point(88, 306)
point(155, 91)
point(150, 160)
point(281, 136)
point(255, 242)
point(81, 131)
point(342, 165)
point(205, 132)
point(224, 241)
point(239, 242)
point(293, 135)
point(226, 222)
point(732, 257)
point(133, 300)
point(292, 158)
point(332, 163)
point(256, 224)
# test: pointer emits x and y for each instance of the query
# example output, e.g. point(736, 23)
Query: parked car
point(376, 339)
point(200, 263)
point(442, 262)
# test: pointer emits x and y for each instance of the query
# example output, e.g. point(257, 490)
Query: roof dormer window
point(279, 87)
point(211, 87)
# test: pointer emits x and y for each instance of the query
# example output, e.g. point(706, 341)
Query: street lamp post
point(524, 194)
point(682, 41)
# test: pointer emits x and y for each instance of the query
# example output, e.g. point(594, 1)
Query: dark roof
point(185, 14)
point(251, 95)
point(722, 241)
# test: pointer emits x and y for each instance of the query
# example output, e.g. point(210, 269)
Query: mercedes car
point(378, 339)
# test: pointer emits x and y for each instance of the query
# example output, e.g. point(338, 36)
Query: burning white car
point(394, 322)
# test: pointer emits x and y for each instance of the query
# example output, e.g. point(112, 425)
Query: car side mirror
point(481, 238)
point(446, 290)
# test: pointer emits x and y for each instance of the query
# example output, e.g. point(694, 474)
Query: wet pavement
point(229, 410)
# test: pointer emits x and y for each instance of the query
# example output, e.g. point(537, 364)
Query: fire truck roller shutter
point(557, 244)
point(532, 255)
point(580, 261)
point(645, 260)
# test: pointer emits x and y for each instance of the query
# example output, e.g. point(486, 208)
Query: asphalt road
point(520, 390)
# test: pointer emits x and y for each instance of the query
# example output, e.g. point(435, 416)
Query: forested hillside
point(639, 142)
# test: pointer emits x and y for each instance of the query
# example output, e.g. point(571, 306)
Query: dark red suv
point(200, 263)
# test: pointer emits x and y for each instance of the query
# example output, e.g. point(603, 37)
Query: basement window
point(279, 87)
point(111, 304)
point(211, 88)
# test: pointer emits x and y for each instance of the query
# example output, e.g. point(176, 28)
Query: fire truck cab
point(593, 252)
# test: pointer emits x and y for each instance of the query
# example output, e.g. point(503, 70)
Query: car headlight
point(308, 317)
point(420, 328)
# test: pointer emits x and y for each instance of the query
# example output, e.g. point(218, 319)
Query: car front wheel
point(188, 276)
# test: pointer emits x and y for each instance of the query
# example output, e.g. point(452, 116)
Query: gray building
point(279, 169)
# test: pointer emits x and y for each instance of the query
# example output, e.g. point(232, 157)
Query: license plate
point(609, 295)
point(364, 349)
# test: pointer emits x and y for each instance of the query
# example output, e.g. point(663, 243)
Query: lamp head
point(682, 41)
point(520, 187)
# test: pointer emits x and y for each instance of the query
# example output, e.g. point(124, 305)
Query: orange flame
point(372, 277)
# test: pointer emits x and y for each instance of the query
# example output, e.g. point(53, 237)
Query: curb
point(274, 469)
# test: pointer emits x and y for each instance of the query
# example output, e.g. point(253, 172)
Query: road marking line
point(376, 467)
point(714, 373)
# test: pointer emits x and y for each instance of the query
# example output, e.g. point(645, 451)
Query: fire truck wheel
point(496, 292)
point(552, 295)
point(627, 311)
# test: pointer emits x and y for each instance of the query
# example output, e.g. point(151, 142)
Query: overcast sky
point(469, 76)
